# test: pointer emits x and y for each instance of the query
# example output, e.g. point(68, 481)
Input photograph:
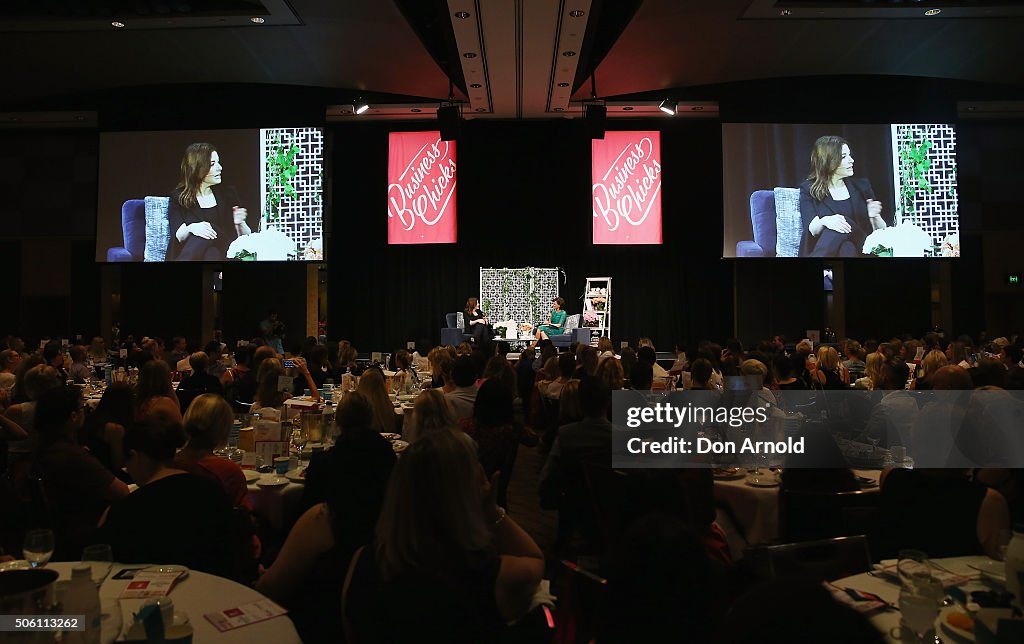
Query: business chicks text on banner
point(626, 178)
point(421, 189)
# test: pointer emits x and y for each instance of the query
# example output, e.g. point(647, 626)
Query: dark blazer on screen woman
point(860, 191)
point(220, 217)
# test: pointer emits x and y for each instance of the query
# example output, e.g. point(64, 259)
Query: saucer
point(764, 480)
point(251, 476)
point(297, 475)
point(272, 481)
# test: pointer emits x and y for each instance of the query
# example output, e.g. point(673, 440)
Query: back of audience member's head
point(403, 360)
point(431, 412)
point(158, 441)
point(527, 355)
point(207, 422)
point(55, 408)
point(117, 405)
point(594, 398)
point(40, 379)
point(570, 409)
point(154, 380)
point(646, 354)
point(890, 378)
point(951, 378)
point(547, 349)
point(605, 345)
point(933, 361)
point(700, 373)
point(828, 358)
point(644, 342)
point(77, 353)
point(798, 612)
point(804, 348)
point(8, 358)
point(642, 376)
point(989, 372)
point(627, 359)
point(464, 371)
point(611, 374)
point(755, 368)
point(659, 583)
point(566, 365)
point(199, 361)
point(587, 359)
point(463, 349)
point(854, 350)
point(354, 412)
point(432, 519)
point(499, 370)
point(51, 351)
point(550, 369)
point(782, 366)
point(243, 354)
point(493, 405)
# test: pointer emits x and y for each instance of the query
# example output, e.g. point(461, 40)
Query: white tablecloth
point(886, 620)
point(197, 594)
point(757, 508)
point(278, 506)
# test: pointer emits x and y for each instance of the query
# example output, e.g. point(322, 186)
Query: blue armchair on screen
point(775, 220)
point(144, 225)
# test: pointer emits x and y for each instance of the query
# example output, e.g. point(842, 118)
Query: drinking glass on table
point(38, 547)
point(299, 439)
point(99, 557)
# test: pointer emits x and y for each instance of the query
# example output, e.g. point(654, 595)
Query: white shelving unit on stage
point(597, 299)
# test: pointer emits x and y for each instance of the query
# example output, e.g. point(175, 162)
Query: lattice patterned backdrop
point(924, 165)
point(300, 216)
point(520, 294)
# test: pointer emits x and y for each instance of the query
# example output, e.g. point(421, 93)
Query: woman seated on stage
point(475, 323)
point(555, 324)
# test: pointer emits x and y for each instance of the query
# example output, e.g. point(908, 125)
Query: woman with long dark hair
point(203, 217)
point(838, 212)
point(475, 322)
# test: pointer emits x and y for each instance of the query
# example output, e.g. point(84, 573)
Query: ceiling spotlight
point(361, 106)
point(480, 109)
point(568, 54)
point(576, 13)
point(475, 85)
point(668, 106)
point(415, 110)
point(461, 15)
point(933, 12)
point(256, 20)
point(559, 109)
point(117, 24)
point(785, 12)
point(628, 108)
point(469, 54)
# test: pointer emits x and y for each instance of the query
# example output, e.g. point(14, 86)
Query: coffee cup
point(281, 465)
point(315, 448)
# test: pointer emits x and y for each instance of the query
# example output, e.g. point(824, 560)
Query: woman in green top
point(556, 324)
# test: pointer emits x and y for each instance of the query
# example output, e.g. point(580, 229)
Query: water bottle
point(83, 598)
point(329, 419)
point(1015, 564)
point(107, 377)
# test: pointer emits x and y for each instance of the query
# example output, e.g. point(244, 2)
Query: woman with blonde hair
point(207, 424)
point(430, 412)
point(827, 372)
point(371, 385)
point(447, 563)
point(932, 362)
point(873, 372)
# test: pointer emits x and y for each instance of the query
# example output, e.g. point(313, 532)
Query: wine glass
point(99, 557)
point(920, 604)
point(298, 442)
point(38, 547)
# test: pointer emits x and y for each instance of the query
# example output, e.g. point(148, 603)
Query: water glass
point(100, 557)
point(38, 547)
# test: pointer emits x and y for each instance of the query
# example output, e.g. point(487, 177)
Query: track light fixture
point(668, 106)
point(361, 106)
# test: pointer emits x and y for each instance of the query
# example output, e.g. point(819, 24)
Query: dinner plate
point(251, 476)
point(762, 481)
point(17, 564)
point(994, 569)
point(298, 475)
point(957, 634)
point(407, 397)
point(399, 446)
point(272, 481)
point(728, 474)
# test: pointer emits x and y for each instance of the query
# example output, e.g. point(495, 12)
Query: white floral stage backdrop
point(520, 294)
point(292, 180)
point(925, 173)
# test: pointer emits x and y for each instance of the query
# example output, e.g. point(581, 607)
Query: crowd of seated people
point(427, 544)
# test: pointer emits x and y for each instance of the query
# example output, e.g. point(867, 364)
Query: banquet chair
point(817, 561)
point(805, 515)
point(453, 333)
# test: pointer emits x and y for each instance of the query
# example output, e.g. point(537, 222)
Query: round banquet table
point(197, 594)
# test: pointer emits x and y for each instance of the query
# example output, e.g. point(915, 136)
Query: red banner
point(626, 177)
point(421, 189)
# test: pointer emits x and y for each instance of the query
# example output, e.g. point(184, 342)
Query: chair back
point(451, 321)
point(762, 220)
point(572, 322)
point(814, 561)
point(133, 225)
point(820, 515)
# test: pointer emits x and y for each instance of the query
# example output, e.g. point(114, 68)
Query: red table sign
point(626, 177)
point(421, 189)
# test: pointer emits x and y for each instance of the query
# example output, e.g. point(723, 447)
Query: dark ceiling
point(373, 46)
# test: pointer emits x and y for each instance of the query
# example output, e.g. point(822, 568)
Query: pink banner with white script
point(421, 189)
point(626, 177)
